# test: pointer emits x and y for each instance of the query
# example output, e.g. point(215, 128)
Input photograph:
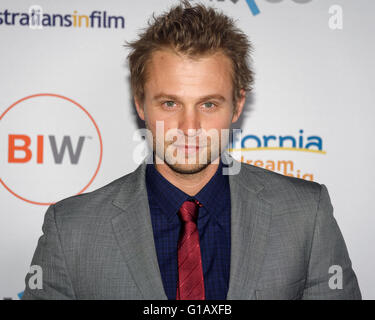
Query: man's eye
point(169, 104)
point(209, 105)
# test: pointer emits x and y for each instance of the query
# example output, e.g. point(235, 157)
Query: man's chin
point(187, 168)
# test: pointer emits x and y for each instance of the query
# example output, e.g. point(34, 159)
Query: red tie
point(190, 273)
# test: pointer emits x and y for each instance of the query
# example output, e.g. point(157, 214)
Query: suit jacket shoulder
point(287, 193)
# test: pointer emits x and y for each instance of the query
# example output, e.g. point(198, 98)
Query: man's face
point(193, 99)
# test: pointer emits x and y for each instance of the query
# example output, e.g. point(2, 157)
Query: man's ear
point(139, 108)
point(239, 105)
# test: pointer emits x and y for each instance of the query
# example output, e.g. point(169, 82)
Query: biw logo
point(50, 148)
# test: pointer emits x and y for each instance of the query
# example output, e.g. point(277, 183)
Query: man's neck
point(191, 184)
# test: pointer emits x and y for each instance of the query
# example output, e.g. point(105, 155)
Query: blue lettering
point(282, 139)
point(266, 138)
point(318, 143)
point(13, 17)
point(116, 18)
point(24, 21)
point(300, 139)
point(67, 19)
point(6, 15)
point(251, 137)
point(57, 16)
point(46, 21)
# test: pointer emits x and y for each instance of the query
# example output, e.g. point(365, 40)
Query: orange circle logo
point(50, 148)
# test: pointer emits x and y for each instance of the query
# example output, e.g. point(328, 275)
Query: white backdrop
point(68, 86)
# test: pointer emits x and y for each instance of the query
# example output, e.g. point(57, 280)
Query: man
point(190, 225)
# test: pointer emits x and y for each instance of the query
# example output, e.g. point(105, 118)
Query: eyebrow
point(201, 99)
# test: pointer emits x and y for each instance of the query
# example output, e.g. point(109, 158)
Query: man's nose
point(189, 122)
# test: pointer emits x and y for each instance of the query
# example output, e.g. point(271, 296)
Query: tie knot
point(189, 211)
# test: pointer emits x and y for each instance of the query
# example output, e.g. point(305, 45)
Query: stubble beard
point(185, 167)
point(211, 155)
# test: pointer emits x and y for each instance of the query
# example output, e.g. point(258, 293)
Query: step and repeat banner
point(67, 119)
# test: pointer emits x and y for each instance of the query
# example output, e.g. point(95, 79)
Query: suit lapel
point(250, 221)
point(133, 231)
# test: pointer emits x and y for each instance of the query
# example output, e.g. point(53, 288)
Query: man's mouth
point(189, 148)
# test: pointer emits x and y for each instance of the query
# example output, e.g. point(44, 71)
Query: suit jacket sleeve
point(329, 249)
point(50, 257)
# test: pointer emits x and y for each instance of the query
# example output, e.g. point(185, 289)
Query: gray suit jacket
point(284, 239)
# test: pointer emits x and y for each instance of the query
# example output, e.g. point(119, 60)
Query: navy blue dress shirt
point(213, 225)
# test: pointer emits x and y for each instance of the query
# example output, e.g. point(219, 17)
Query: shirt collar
point(169, 198)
